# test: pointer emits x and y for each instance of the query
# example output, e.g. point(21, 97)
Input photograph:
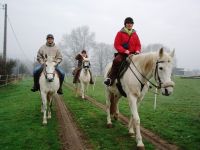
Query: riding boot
point(112, 75)
point(76, 76)
point(36, 75)
point(36, 85)
point(91, 80)
point(61, 79)
point(60, 91)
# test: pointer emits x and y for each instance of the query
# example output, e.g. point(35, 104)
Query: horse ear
point(161, 52)
point(172, 53)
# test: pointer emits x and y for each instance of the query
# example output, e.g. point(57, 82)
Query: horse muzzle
point(167, 88)
point(50, 79)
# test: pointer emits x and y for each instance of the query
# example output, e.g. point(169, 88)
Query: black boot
point(108, 82)
point(36, 85)
point(60, 91)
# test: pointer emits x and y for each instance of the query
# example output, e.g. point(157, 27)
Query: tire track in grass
point(71, 137)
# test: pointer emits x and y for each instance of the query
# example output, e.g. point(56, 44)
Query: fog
point(175, 24)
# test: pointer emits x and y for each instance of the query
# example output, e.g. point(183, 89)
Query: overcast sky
point(173, 23)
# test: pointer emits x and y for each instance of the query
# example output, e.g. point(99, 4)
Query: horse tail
point(113, 105)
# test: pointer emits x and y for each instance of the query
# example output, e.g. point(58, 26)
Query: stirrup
point(60, 92)
point(34, 89)
point(107, 82)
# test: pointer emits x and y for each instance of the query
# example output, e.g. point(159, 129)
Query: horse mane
point(145, 61)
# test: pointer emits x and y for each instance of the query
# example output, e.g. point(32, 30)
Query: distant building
point(185, 72)
point(178, 71)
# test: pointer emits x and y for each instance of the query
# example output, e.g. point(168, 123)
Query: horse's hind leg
point(108, 104)
point(116, 111)
point(44, 104)
point(42, 108)
point(76, 89)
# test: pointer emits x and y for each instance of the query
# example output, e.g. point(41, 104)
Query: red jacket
point(122, 37)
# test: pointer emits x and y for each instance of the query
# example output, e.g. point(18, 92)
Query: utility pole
point(5, 37)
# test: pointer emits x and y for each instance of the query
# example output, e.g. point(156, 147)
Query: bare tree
point(101, 56)
point(79, 39)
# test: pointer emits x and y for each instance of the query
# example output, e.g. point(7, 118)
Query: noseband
point(86, 66)
point(156, 74)
point(46, 73)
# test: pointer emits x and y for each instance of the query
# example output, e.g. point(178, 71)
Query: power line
point(19, 44)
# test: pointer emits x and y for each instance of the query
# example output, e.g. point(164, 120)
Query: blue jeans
point(39, 68)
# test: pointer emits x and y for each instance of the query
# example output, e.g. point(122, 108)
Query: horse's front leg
point(50, 107)
point(44, 104)
point(82, 90)
point(131, 127)
point(136, 119)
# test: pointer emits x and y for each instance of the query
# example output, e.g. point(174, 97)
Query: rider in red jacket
point(126, 42)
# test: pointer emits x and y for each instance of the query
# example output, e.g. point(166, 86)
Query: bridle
point(46, 73)
point(86, 66)
point(156, 76)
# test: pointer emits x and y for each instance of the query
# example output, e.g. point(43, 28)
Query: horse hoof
point(131, 134)
point(109, 125)
point(44, 122)
point(116, 117)
point(140, 148)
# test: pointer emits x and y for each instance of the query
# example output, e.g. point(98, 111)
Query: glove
point(127, 52)
point(137, 52)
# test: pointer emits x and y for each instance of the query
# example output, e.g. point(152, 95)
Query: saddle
point(123, 67)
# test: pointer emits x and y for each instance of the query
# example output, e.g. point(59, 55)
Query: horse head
point(86, 63)
point(163, 71)
point(49, 68)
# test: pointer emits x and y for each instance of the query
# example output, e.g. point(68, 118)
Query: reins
point(156, 73)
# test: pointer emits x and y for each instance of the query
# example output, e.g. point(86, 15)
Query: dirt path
point(159, 143)
point(70, 136)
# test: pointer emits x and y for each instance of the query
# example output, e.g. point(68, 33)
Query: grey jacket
point(52, 51)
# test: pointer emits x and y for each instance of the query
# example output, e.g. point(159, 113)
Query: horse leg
point(44, 102)
point(82, 90)
point(136, 119)
point(108, 104)
point(116, 113)
point(41, 107)
point(50, 107)
point(131, 127)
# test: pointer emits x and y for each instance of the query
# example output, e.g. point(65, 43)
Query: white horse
point(84, 76)
point(135, 83)
point(49, 85)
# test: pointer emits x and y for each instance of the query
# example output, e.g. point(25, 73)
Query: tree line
point(100, 54)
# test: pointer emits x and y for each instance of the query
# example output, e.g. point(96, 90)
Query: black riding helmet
point(50, 36)
point(128, 20)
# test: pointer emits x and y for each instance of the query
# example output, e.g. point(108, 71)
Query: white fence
point(8, 79)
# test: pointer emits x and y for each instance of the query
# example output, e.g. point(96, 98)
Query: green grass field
point(176, 119)
point(21, 120)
